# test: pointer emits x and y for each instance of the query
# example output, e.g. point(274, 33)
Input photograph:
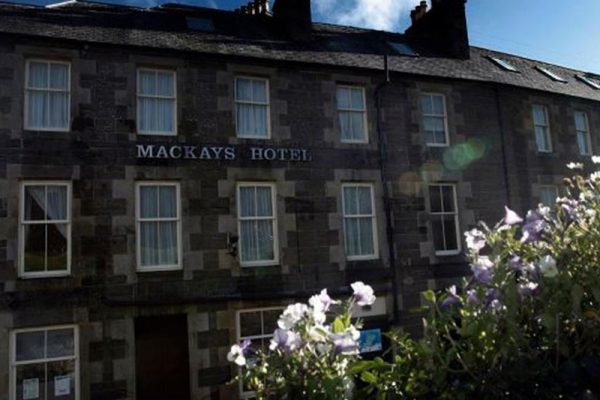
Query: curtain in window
point(48, 95)
point(352, 123)
point(358, 221)
point(582, 133)
point(156, 101)
point(159, 237)
point(251, 107)
point(256, 225)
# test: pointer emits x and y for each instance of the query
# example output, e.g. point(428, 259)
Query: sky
point(554, 31)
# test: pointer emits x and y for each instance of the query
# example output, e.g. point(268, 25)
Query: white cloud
point(376, 14)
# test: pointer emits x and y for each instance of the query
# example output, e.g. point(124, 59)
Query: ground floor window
point(444, 219)
point(44, 364)
point(256, 325)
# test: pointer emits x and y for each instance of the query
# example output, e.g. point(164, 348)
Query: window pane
point(168, 201)
point(149, 243)
point(35, 203)
point(250, 324)
point(31, 381)
point(147, 110)
point(435, 200)
point(59, 110)
point(580, 121)
point(358, 126)
point(357, 99)
point(437, 104)
point(168, 243)
point(38, 75)
point(37, 109)
point(438, 233)
point(435, 129)
point(548, 195)
point(165, 84)
point(448, 198)
point(148, 201)
point(260, 121)
point(350, 200)
point(259, 91)
point(57, 202)
point(56, 247)
point(366, 236)
point(247, 201)
point(539, 115)
point(343, 98)
point(61, 380)
point(61, 343)
point(541, 138)
point(34, 257)
point(364, 200)
point(147, 82)
point(243, 89)
point(264, 206)
point(59, 76)
point(270, 318)
point(426, 104)
point(249, 245)
point(450, 232)
point(30, 345)
point(245, 119)
point(165, 111)
point(352, 236)
point(345, 124)
point(264, 230)
point(582, 143)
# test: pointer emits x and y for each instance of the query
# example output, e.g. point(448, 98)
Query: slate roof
point(254, 36)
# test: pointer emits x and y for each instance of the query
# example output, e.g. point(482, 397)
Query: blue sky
point(555, 31)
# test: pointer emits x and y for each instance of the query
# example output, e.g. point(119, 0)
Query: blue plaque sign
point(370, 341)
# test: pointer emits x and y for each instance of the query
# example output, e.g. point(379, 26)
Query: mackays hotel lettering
point(228, 153)
point(171, 177)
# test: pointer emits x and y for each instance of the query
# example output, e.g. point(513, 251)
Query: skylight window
point(503, 64)
point(200, 24)
point(589, 82)
point(403, 49)
point(551, 75)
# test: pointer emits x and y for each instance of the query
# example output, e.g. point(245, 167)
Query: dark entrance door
point(161, 358)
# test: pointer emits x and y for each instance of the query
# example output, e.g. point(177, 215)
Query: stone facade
point(491, 159)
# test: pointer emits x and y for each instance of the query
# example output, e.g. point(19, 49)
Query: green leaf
point(576, 297)
point(338, 326)
point(368, 377)
point(429, 295)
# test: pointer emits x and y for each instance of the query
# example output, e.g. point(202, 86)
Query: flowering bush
point(526, 324)
point(311, 351)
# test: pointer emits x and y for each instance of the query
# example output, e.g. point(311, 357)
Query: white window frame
point(373, 217)
point(444, 116)
point(547, 126)
point(258, 263)
point(138, 103)
point(139, 220)
point(441, 215)
point(541, 188)
point(588, 135)
point(363, 111)
point(13, 356)
point(252, 103)
point(240, 338)
point(29, 89)
point(23, 223)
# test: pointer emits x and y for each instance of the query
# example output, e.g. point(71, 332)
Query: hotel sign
point(228, 153)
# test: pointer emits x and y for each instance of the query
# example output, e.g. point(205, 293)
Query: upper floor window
point(543, 141)
point(435, 119)
point(44, 363)
point(360, 231)
point(257, 326)
point(352, 112)
point(257, 224)
point(252, 108)
point(158, 226)
point(548, 195)
point(156, 102)
point(48, 95)
point(45, 229)
point(584, 142)
point(444, 219)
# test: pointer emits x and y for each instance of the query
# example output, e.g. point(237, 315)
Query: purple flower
point(475, 240)
point(472, 298)
point(452, 300)
point(321, 301)
point(347, 342)
point(286, 340)
point(516, 263)
point(511, 217)
point(528, 288)
point(483, 270)
point(237, 353)
point(496, 305)
point(535, 226)
point(569, 207)
point(363, 294)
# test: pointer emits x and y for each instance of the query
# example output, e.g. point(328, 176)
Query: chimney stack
point(443, 28)
point(294, 18)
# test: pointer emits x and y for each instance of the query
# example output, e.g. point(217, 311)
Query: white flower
point(548, 266)
point(363, 294)
point(475, 240)
point(573, 165)
point(595, 176)
point(286, 340)
point(596, 159)
point(236, 355)
point(511, 217)
point(292, 314)
point(321, 301)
